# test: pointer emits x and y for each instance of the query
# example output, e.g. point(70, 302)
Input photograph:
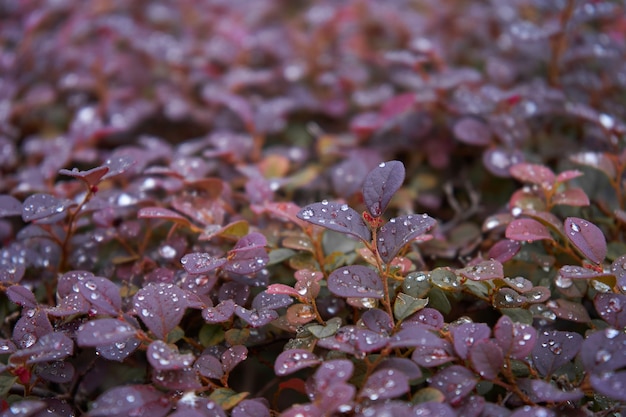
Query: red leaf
point(587, 237)
point(528, 230)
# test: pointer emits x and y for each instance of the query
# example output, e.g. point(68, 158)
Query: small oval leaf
point(293, 360)
point(356, 281)
point(338, 217)
point(381, 184)
point(587, 238)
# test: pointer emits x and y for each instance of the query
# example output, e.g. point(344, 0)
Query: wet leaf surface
point(381, 184)
point(338, 217)
point(554, 349)
point(399, 231)
point(586, 237)
point(293, 360)
point(355, 281)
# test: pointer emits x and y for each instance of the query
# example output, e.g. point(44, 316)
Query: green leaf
point(6, 382)
point(227, 398)
point(237, 336)
point(445, 279)
point(416, 284)
point(439, 301)
point(330, 329)
point(428, 394)
point(405, 305)
point(175, 335)
point(518, 315)
point(211, 335)
point(279, 255)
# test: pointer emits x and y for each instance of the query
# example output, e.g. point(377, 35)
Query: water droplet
point(344, 207)
point(575, 228)
point(381, 165)
point(611, 333)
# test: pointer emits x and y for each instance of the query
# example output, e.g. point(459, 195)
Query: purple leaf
point(117, 165)
point(233, 356)
point(554, 349)
point(428, 317)
point(256, 318)
point(415, 335)
point(118, 351)
point(59, 372)
point(49, 347)
point(164, 357)
point(32, 325)
point(527, 230)
point(381, 184)
point(201, 263)
point(161, 307)
point(532, 411)
point(255, 407)
point(587, 237)
point(483, 271)
point(185, 379)
point(220, 313)
point(515, 339)
point(466, 334)
point(369, 341)
point(338, 217)
point(504, 250)
point(377, 320)
point(610, 384)
point(430, 356)
point(209, 366)
point(385, 384)
point(102, 294)
point(131, 400)
point(611, 308)
point(533, 174)
point(399, 231)
point(91, 177)
point(6, 346)
point(486, 358)
point(331, 372)
point(44, 206)
point(575, 197)
point(192, 405)
point(12, 272)
point(103, 332)
point(455, 382)
point(409, 367)
point(499, 160)
point(338, 395)
point(569, 310)
point(162, 213)
point(603, 351)
point(26, 408)
point(10, 206)
point(246, 261)
point(303, 410)
point(356, 281)
point(578, 272)
point(618, 268)
point(22, 296)
point(250, 241)
point(542, 391)
point(293, 360)
point(67, 282)
point(265, 300)
point(472, 131)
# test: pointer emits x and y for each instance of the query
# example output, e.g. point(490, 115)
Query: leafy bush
point(363, 208)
